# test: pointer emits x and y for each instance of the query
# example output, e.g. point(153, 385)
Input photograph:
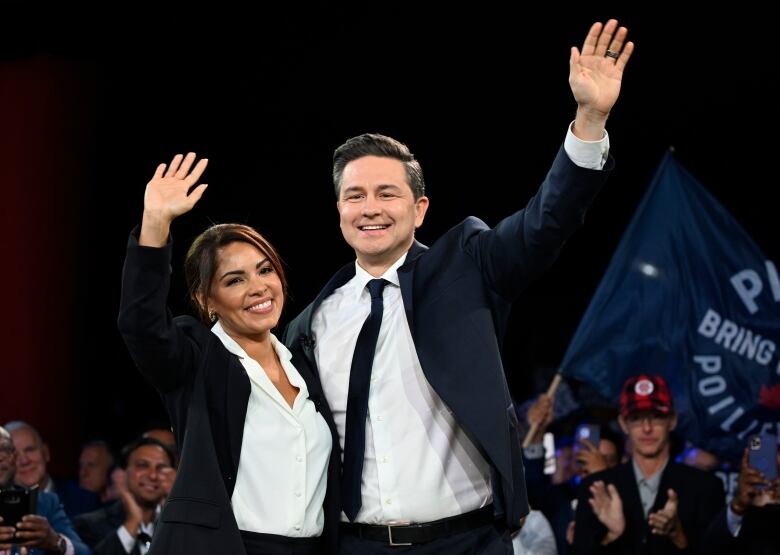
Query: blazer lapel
point(405, 275)
point(307, 339)
point(238, 390)
point(632, 503)
point(667, 481)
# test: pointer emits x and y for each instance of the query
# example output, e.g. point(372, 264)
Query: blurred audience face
point(94, 464)
point(648, 432)
point(145, 475)
point(7, 459)
point(565, 466)
point(609, 453)
point(32, 456)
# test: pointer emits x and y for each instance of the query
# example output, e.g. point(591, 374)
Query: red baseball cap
point(645, 392)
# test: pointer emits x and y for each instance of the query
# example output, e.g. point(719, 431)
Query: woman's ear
point(203, 306)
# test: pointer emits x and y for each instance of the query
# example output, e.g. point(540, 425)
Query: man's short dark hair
point(374, 144)
point(615, 438)
point(128, 450)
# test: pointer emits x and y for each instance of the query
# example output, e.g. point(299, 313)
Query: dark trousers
point(485, 540)
point(271, 544)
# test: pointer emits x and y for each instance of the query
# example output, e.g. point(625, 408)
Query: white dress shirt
point(419, 464)
point(128, 541)
point(282, 473)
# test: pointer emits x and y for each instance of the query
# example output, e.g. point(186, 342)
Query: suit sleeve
point(525, 244)
point(717, 540)
point(60, 523)
point(86, 530)
point(710, 502)
point(162, 351)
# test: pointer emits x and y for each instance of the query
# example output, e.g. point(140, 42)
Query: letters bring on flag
point(688, 295)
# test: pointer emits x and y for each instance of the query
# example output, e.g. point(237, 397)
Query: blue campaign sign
point(688, 295)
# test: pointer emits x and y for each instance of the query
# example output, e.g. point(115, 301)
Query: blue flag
point(688, 295)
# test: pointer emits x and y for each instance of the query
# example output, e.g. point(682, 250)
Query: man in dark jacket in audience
point(127, 526)
point(650, 504)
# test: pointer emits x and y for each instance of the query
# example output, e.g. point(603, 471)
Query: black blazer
point(700, 498)
point(457, 296)
point(206, 391)
point(99, 528)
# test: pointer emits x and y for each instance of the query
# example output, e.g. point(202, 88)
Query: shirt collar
point(232, 346)
point(362, 277)
point(653, 481)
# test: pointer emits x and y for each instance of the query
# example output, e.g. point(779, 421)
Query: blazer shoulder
point(47, 503)
point(113, 514)
point(609, 475)
point(297, 327)
point(689, 475)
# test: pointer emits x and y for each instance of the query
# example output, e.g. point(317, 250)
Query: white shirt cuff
point(733, 521)
point(534, 451)
point(128, 541)
point(586, 154)
point(69, 550)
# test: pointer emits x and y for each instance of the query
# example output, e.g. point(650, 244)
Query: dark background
point(91, 103)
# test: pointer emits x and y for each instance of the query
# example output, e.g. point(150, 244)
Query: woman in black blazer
point(254, 446)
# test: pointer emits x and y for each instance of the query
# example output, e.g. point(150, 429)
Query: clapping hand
point(608, 508)
point(666, 522)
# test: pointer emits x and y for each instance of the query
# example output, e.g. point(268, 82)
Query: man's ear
point(420, 207)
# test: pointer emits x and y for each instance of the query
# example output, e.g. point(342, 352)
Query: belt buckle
point(390, 524)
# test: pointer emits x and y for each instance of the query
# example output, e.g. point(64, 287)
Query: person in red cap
point(650, 504)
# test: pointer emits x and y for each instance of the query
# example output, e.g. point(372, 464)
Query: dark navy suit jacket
point(457, 296)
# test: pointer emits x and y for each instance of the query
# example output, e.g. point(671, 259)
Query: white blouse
point(282, 473)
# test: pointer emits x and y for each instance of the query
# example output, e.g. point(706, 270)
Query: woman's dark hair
point(200, 264)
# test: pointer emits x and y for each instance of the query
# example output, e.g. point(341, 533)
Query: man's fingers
point(605, 37)
point(589, 46)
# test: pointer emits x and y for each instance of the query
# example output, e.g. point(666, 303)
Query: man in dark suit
point(47, 531)
point(748, 524)
point(650, 504)
point(436, 464)
point(127, 525)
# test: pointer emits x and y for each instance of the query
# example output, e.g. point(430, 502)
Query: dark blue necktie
point(357, 403)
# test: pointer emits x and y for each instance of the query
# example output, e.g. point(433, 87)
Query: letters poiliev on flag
point(690, 296)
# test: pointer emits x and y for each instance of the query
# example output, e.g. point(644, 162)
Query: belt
point(404, 532)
